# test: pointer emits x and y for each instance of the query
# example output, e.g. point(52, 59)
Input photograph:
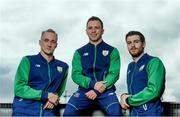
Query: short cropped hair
point(93, 18)
point(131, 33)
point(49, 30)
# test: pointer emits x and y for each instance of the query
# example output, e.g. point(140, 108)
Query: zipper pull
point(145, 107)
point(104, 75)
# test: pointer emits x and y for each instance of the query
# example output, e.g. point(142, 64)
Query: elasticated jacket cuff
point(44, 96)
point(97, 92)
point(127, 101)
point(91, 84)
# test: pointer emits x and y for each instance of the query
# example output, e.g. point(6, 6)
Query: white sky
point(21, 23)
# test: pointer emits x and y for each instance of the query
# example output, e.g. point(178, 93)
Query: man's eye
point(97, 27)
point(137, 41)
point(53, 41)
point(45, 40)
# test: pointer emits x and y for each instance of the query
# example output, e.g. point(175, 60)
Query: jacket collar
point(142, 58)
point(97, 44)
point(43, 59)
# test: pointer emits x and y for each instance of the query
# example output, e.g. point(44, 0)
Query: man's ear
point(56, 45)
point(40, 42)
point(102, 31)
point(144, 44)
point(86, 32)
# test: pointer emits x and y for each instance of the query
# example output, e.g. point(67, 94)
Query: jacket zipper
point(132, 76)
point(94, 64)
point(104, 75)
point(49, 76)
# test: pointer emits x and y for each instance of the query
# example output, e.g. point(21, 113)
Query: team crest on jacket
point(105, 52)
point(141, 68)
point(60, 69)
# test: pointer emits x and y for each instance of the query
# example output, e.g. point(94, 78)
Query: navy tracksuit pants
point(107, 102)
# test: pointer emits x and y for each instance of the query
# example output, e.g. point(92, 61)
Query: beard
point(136, 54)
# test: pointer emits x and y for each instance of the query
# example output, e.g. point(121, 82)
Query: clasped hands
point(53, 100)
point(99, 86)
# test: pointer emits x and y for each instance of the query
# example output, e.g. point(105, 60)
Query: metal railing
point(170, 109)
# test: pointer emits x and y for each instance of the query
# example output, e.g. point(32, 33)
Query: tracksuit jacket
point(36, 77)
point(146, 84)
point(92, 63)
point(96, 63)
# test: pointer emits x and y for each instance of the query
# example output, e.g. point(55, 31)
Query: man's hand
point(49, 105)
point(124, 105)
point(91, 95)
point(54, 99)
point(100, 86)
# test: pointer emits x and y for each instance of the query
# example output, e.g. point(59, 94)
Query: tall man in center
point(95, 68)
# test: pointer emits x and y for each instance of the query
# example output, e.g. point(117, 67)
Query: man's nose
point(132, 44)
point(93, 30)
point(49, 43)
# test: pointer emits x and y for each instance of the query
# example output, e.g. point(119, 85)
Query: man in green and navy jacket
point(95, 68)
point(145, 79)
point(40, 80)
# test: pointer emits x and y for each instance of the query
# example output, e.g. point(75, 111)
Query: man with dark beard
point(145, 79)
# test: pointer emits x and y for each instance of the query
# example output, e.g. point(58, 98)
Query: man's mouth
point(133, 49)
point(94, 35)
